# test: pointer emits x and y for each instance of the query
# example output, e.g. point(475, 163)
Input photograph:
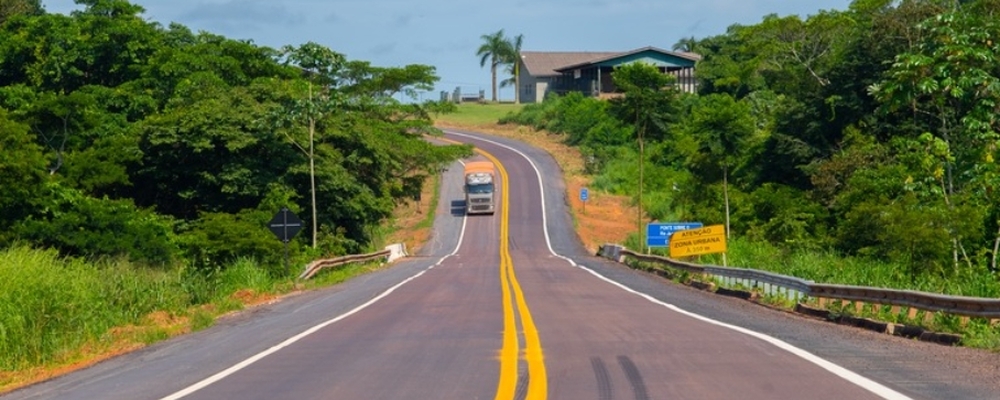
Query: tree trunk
point(312, 169)
point(725, 191)
point(517, 82)
point(493, 70)
point(642, 231)
point(642, 130)
point(949, 187)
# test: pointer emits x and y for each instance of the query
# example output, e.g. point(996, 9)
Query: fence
point(797, 289)
point(460, 96)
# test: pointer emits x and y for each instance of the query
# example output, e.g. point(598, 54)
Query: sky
point(446, 33)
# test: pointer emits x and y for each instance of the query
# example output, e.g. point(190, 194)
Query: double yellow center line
point(511, 295)
point(509, 354)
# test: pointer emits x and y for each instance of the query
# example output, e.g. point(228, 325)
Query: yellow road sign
point(693, 242)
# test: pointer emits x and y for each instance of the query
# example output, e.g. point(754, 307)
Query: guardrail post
point(895, 310)
point(911, 313)
point(859, 307)
point(928, 317)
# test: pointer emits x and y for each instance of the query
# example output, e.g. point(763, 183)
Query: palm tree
point(495, 50)
point(686, 44)
point(513, 61)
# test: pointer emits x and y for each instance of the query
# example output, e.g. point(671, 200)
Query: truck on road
point(480, 187)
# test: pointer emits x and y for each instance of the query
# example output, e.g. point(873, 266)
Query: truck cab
point(480, 187)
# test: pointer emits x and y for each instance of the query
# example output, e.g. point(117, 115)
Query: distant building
point(544, 72)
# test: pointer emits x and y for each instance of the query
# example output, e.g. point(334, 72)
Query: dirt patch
point(250, 297)
point(412, 219)
point(605, 218)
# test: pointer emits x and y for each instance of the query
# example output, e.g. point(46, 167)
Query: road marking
point(288, 342)
point(842, 372)
point(538, 380)
point(509, 353)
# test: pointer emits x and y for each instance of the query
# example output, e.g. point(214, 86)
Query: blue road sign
point(658, 233)
point(584, 194)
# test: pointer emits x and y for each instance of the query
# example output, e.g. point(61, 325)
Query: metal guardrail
point(796, 287)
point(958, 305)
point(317, 265)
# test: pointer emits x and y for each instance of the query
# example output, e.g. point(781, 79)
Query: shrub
point(79, 225)
point(217, 239)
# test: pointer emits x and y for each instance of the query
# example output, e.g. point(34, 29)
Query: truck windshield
point(480, 189)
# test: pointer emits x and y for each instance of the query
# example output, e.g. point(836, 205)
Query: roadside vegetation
point(870, 160)
point(138, 186)
point(833, 170)
point(854, 147)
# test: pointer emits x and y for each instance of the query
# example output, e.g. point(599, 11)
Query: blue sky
point(446, 33)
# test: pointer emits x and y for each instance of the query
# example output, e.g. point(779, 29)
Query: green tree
point(646, 104)
point(22, 172)
point(790, 43)
point(12, 8)
point(322, 66)
point(722, 127)
point(729, 64)
point(951, 78)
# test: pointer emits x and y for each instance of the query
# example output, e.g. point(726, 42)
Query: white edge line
point(842, 372)
point(245, 363)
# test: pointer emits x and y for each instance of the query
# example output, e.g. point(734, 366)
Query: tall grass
point(52, 306)
point(34, 298)
point(49, 304)
point(244, 273)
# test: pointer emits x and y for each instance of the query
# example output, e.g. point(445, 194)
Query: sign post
point(285, 225)
point(584, 195)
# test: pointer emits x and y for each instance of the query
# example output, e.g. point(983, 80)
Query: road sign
point(658, 233)
point(693, 242)
point(285, 225)
point(584, 194)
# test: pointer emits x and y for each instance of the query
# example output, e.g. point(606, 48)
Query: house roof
point(551, 63)
point(686, 56)
point(547, 63)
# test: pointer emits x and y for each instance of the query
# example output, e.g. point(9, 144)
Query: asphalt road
point(518, 309)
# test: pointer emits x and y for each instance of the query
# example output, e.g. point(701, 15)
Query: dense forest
point(125, 138)
point(870, 132)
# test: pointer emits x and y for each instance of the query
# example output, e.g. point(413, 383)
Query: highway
point(511, 306)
